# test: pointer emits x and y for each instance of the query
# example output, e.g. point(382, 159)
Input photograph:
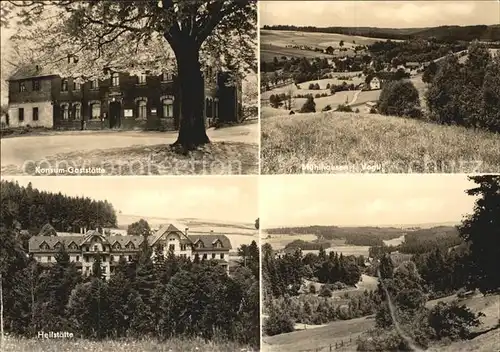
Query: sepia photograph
point(170, 264)
point(380, 263)
point(129, 87)
point(379, 86)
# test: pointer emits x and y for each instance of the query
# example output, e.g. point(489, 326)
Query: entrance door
point(115, 109)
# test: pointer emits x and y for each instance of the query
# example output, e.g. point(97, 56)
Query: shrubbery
point(309, 105)
point(278, 323)
point(344, 108)
point(452, 321)
point(400, 98)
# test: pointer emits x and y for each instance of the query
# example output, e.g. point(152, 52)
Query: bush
point(338, 286)
point(373, 110)
point(327, 108)
point(344, 108)
point(309, 105)
point(400, 98)
point(278, 323)
point(452, 321)
point(356, 111)
point(325, 291)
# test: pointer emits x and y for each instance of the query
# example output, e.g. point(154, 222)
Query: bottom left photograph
point(129, 264)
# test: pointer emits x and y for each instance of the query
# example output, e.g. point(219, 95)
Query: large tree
point(141, 35)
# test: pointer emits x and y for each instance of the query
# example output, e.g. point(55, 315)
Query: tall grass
point(336, 142)
point(13, 344)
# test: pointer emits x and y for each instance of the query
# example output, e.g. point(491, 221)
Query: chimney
point(186, 230)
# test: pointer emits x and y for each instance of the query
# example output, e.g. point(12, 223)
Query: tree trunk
point(191, 97)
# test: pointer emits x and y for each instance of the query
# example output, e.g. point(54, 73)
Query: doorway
point(115, 109)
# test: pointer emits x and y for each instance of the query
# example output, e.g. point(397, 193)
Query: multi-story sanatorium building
point(82, 248)
point(41, 99)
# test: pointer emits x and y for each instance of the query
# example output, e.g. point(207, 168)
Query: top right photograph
point(380, 87)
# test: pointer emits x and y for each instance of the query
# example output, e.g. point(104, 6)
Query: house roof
point(29, 71)
point(209, 241)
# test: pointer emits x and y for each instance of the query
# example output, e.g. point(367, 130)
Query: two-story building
point(145, 101)
point(82, 248)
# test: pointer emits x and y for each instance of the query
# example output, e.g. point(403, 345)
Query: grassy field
point(76, 345)
point(336, 142)
point(273, 43)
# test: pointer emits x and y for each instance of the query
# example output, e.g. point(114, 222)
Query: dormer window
point(44, 246)
point(200, 244)
point(58, 245)
point(73, 246)
point(117, 245)
point(22, 86)
point(36, 85)
point(141, 79)
point(115, 79)
point(77, 85)
point(130, 245)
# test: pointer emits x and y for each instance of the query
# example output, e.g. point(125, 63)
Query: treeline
point(305, 245)
point(441, 33)
point(31, 209)
point(467, 94)
point(164, 298)
point(285, 312)
point(285, 274)
point(361, 236)
point(419, 50)
point(426, 240)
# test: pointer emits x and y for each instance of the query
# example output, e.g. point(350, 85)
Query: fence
point(336, 346)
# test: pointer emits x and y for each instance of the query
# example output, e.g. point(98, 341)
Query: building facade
point(82, 249)
point(40, 99)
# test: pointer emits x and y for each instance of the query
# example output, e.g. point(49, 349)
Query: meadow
point(73, 345)
point(350, 142)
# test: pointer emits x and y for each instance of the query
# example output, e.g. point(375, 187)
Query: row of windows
point(117, 258)
point(94, 84)
point(95, 109)
point(34, 114)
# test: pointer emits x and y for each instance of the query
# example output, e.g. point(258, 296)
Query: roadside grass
point(336, 142)
point(73, 345)
point(219, 158)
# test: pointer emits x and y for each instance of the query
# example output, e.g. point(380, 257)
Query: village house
point(124, 101)
point(83, 248)
point(373, 84)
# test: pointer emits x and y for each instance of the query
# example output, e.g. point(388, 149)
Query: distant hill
point(441, 33)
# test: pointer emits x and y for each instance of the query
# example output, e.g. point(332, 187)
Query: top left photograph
point(112, 88)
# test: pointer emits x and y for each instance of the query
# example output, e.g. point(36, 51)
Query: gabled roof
point(29, 71)
point(165, 229)
point(210, 240)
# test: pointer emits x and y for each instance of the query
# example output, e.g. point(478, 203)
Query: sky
point(384, 14)
point(232, 199)
point(363, 200)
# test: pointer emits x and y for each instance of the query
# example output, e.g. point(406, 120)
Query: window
point(130, 245)
point(77, 258)
point(87, 259)
point(213, 255)
point(58, 245)
point(115, 79)
point(200, 244)
point(117, 245)
point(96, 248)
point(171, 247)
point(35, 114)
point(141, 79)
point(204, 256)
point(21, 114)
point(77, 85)
point(183, 247)
point(142, 109)
point(65, 111)
point(222, 256)
point(87, 248)
point(95, 111)
point(208, 107)
point(129, 258)
point(167, 77)
point(104, 270)
point(44, 246)
point(22, 86)
point(36, 85)
point(94, 84)
point(78, 111)
point(104, 259)
point(49, 258)
point(168, 108)
point(64, 85)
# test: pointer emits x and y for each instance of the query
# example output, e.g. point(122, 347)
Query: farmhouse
point(373, 84)
point(83, 248)
point(39, 98)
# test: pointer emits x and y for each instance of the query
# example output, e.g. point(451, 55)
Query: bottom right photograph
point(380, 262)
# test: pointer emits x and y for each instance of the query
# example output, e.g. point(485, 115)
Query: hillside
point(319, 339)
point(335, 142)
point(445, 33)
